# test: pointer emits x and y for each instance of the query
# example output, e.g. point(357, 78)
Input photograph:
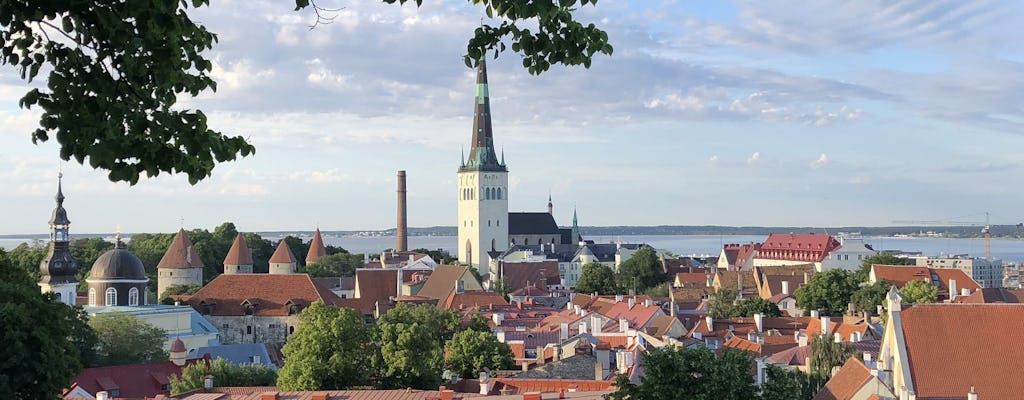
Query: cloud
point(713, 160)
point(244, 190)
point(328, 176)
point(754, 158)
point(860, 179)
point(820, 162)
point(238, 74)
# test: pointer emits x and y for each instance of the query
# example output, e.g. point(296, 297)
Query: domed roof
point(118, 263)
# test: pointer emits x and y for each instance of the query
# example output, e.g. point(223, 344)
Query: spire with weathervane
point(575, 227)
point(482, 156)
point(59, 267)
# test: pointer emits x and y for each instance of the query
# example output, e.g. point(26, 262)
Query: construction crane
point(958, 221)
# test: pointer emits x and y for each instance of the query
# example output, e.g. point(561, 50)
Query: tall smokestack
point(402, 232)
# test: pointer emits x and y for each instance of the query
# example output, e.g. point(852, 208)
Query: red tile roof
point(847, 382)
point(270, 294)
point(131, 381)
point(808, 247)
point(239, 254)
point(471, 298)
point(283, 254)
point(180, 254)
point(316, 248)
point(692, 278)
point(521, 275)
point(638, 316)
point(899, 275)
point(993, 295)
point(952, 347)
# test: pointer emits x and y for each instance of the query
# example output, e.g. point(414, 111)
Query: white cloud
point(328, 176)
point(820, 162)
point(860, 179)
point(754, 158)
point(713, 160)
point(238, 74)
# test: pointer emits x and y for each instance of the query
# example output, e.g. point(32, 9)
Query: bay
point(697, 245)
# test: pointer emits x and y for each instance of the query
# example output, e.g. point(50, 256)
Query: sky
point(766, 113)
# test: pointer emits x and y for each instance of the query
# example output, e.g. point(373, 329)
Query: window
point(58, 296)
point(291, 330)
point(248, 329)
point(133, 297)
point(92, 297)
point(499, 193)
point(111, 297)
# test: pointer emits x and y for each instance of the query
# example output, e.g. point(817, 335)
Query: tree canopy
point(124, 339)
point(225, 373)
point(331, 349)
point(674, 373)
point(43, 339)
point(116, 70)
point(869, 297)
point(641, 271)
point(829, 291)
point(597, 278)
point(919, 291)
point(469, 352)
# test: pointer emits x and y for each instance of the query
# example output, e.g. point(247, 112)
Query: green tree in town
point(225, 373)
point(469, 352)
point(829, 291)
point(868, 297)
point(116, 70)
point(722, 304)
point(597, 278)
point(919, 292)
point(27, 256)
point(331, 349)
point(333, 265)
point(443, 324)
point(86, 251)
point(880, 259)
point(43, 339)
point(125, 339)
point(410, 355)
point(756, 305)
point(641, 271)
point(502, 286)
point(659, 292)
point(681, 373)
point(173, 290)
point(826, 356)
point(781, 384)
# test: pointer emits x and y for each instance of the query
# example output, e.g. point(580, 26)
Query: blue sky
point(769, 112)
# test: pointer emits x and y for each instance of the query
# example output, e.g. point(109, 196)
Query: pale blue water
point(1004, 249)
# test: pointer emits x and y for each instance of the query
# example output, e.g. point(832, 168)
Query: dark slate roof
point(118, 263)
point(532, 223)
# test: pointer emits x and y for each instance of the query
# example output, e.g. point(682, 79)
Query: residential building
point(737, 257)
point(855, 381)
point(988, 273)
point(850, 255)
point(952, 351)
point(950, 282)
point(823, 251)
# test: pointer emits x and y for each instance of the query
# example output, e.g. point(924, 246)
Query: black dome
point(118, 263)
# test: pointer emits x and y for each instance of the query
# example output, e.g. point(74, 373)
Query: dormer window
point(248, 307)
point(294, 307)
point(205, 308)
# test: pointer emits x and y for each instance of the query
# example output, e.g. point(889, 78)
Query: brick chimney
point(402, 230)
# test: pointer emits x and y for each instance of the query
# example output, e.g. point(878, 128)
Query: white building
point(988, 273)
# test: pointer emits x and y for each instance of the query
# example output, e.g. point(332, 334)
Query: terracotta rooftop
point(794, 356)
point(993, 295)
point(899, 275)
point(798, 247)
point(521, 275)
point(283, 254)
point(471, 298)
point(180, 254)
point(638, 316)
point(239, 254)
point(847, 382)
point(952, 347)
point(269, 294)
point(316, 248)
point(131, 381)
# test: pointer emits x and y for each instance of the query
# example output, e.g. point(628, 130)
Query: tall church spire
point(58, 267)
point(575, 227)
point(482, 156)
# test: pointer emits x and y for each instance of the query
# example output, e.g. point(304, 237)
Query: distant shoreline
point(998, 231)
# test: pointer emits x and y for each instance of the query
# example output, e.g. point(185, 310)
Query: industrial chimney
point(402, 231)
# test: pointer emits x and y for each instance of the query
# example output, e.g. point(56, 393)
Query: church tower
point(58, 268)
point(482, 188)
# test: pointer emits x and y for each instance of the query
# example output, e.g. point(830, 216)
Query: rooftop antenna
point(182, 221)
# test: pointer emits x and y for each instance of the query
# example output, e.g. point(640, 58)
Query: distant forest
point(998, 231)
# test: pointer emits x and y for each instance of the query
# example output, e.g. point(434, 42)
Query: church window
point(488, 222)
point(497, 222)
point(248, 329)
point(499, 193)
point(492, 245)
point(58, 296)
point(487, 193)
point(133, 297)
point(111, 297)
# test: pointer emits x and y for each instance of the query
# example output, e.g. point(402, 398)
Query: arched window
point(487, 193)
point(111, 297)
point(469, 252)
point(133, 297)
point(499, 193)
point(92, 296)
point(492, 245)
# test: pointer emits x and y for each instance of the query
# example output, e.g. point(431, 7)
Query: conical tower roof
point(316, 248)
point(239, 254)
point(181, 254)
point(283, 254)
